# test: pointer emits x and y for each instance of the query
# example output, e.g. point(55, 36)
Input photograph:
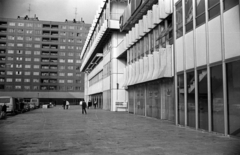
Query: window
point(71, 47)
point(78, 74)
point(69, 81)
point(190, 99)
point(29, 31)
point(28, 59)
point(26, 80)
point(18, 87)
point(38, 25)
point(70, 67)
point(70, 88)
point(188, 15)
point(70, 54)
point(28, 52)
point(29, 25)
point(62, 47)
point(12, 24)
point(70, 74)
point(233, 97)
point(18, 80)
point(64, 27)
point(78, 61)
point(10, 58)
point(37, 39)
point(11, 38)
point(19, 51)
point(20, 31)
point(217, 99)
point(228, 4)
point(37, 45)
point(179, 19)
point(9, 79)
point(213, 8)
point(71, 27)
point(36, 66)
point(18, 65)
point(27, 87)
point(78, 81)
point(20, 24)
point(36, 73)
point(37, 52)
point(61, 74)
point(27, 73)
point(181, 111)
point(61, 81)
point(70, 60)
point(11, 30)
point(28, 45)
point(35, 80)
point(9, 72)
point(62, 53)
point(35, 87)
point(62, 67)
point(11, 44)
point(61, 60)
point(19, 58)
point(19, 38)
point(10, 51)
point(36, 59)
point(19, 45)
point(27, 66)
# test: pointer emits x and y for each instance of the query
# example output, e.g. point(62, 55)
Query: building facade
point(103, 71)
point(176, 60)
point(40, 59)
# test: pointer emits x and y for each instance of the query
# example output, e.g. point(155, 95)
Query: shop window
point(217, 99)
point(188, 15)
point(179, 19)
point(202, 99)
point(191, 99)
point(213, 8)
point(200, 12)
point(181, 107)
point(233, 90)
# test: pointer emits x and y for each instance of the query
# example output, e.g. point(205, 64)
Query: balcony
point(46, 33)
point(2, 65)
point(2, 51)
point(54, 26)
point(54, 53)
point(54, 60)
point(54, 33)
point(3, 23)
point(45, 53)
point(2, 58)
point(3, 37)
point(3, 30)
point(2, 72)
point(53, 74)
point(46, 26)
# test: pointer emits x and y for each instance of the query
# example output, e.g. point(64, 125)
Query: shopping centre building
point(174, 60)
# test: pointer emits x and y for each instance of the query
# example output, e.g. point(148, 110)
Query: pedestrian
point(64, 104)
point(84, 106)
point(89, 104)
point(4, 111)
point(95, 104)
point(67, 104)
point(80, 103)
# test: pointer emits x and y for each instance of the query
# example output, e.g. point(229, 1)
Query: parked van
point(35, 102)
point(10, 103)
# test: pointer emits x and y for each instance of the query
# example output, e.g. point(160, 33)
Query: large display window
point(181, 108)
point(191, 99)
point(233, 93)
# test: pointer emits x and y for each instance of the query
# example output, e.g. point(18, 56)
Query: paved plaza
point(56, 131)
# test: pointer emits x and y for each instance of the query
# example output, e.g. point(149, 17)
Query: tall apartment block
point(40, 59)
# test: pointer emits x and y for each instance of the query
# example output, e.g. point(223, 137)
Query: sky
point(50, 10)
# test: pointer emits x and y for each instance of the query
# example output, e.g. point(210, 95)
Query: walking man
point(4, 110)
point(84, 106)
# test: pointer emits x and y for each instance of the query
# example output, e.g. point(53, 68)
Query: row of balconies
point(48, 81)
point(49, 73)
point(151, 67)
point(147, 23)
point(52, 60)
point(49, 67)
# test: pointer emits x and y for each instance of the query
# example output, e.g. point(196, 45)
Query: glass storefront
point(191, 99)
point(217, 99)
point(202, 99)
point(233, 93)
point(181, 110)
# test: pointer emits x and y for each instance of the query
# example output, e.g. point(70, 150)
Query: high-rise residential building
point(40, 59)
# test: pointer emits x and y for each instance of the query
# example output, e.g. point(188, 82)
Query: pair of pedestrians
point(66, 104)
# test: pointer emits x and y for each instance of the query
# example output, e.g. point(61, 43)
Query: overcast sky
point(50, 10)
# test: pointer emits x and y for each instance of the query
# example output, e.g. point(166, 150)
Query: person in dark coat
point(64, 104)
point(4, 110)
point(84, 106)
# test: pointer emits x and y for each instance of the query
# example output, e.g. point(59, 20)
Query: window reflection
point(233, 89)
point(217, 99)
point(191, 99)
point(181, 99)
point(202, 99)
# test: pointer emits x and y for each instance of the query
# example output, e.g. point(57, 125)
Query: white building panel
point(133, 74)
point(145, 28)
point(168, 6)
point(137, 72)
point(150, 19)
point(106, 83)
point(201, 49)
point(189, 50)
point(231, 33)
point(163, 58)
point(141, 65)
point(162, 13)
point(129, 74)
point(150, 67)
point(179, 54)
point(141, 27)
point(156, 64)
point(215, 50)
point(146, 69)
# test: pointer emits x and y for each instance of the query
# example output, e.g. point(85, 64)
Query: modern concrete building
point(175, 60)
point(103, 71)
point(40, 59)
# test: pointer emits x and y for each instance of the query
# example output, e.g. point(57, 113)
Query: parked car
point(10, 103)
